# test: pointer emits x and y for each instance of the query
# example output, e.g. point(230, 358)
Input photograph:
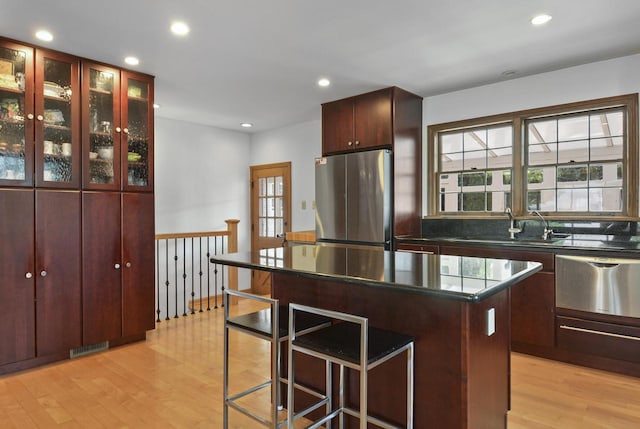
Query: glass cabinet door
point(137, 121)
point(16, 115)
point(101, 127)
point(57, 120)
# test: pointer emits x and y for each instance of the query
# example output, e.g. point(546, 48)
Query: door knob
point(40, 117)
point(43, 273)
point(349, 143)
point(128, 264)
point(116, 266)
point(118, 129)
point(28, 275)
point(357, 142)
point(30, 116)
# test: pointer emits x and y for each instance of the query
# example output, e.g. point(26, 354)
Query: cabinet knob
point(125, 130)
point(118, 129)
point(30, 116)
point(116, 266)
point(40, 117)
point(128, 264)
point(28, 275)
point(357, 142)
point(349, 143)
point(43, 273)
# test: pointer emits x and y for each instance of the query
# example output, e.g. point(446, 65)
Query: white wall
point(201, 178)
point(300, 144)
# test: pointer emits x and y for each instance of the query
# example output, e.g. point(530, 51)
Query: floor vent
point(87, 350)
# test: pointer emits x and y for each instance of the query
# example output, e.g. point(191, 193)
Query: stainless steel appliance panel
point(368, 196)
point(331, 194)
point(598, 285)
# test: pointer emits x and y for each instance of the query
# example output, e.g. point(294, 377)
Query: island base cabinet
point(461, 370)
point(17, 281)
point(138, 256)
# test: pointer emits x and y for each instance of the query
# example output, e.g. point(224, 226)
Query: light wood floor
point(173, 380)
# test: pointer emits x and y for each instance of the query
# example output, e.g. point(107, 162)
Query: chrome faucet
point(547, 229)
point(513, 230)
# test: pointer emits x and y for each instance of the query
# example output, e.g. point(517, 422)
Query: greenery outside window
point(578, 159)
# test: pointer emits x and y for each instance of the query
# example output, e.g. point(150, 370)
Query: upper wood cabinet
point(117, 129)
point(39, 117)
point(365, 121)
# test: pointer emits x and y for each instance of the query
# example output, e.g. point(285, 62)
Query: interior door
point(58, 294)
point(270, 215)
point(17, 316)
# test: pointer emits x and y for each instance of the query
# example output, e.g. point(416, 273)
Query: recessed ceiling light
point(132, 61)
point(156, 106)
point(246, 125)
point(44, 35)
point(179, 28)
point(541, 19)
point(324, 82)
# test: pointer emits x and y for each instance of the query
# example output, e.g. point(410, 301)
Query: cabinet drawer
point(422, 248)
point(545, 258)
point(596, 338)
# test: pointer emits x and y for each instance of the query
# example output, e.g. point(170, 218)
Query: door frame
point(254, 208)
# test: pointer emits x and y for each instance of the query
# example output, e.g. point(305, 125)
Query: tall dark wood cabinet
point(388, 118)
point(138, 255)
point(76, 205)
point(17, 267)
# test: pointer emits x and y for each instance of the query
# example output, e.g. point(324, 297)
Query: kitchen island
point(457, 309)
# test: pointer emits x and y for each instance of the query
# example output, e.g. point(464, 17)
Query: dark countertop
point(469, 279)
point(577, 243)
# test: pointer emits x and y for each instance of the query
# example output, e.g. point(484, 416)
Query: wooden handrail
point(192, 234)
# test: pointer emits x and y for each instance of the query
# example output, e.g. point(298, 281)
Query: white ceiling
point(259, 60)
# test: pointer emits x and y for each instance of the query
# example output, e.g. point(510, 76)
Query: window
point(573, 159)
point(469, 159)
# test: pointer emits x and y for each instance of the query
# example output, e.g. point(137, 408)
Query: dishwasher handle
point(602, 264)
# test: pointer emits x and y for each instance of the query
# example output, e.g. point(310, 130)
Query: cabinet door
point(57, 129)
point(137, 137)
point(101, 128)
point(337, 126)
point(101, 291)
point(58, 315)
point(16, 115)
point(17, 317)
point(373, 126)
point(138, 255)
point(533, 311)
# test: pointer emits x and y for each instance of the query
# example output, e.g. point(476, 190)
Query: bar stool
point(352, 344)
point(269, 326)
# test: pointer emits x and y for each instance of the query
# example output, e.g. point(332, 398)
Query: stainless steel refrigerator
point(353, 198)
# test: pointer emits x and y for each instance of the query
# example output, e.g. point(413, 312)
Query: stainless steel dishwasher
point(598, 285)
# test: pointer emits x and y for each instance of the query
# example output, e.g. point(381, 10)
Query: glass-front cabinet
point(137, 117)
point(118, 118)
point(39, 118)
point(16, 115)
point(101, 127)
point(57, 126)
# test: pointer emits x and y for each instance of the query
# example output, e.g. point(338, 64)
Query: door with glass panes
point(270, 215)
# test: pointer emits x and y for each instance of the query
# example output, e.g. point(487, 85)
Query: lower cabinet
point(40, 307)
point(533, 311)
point(532, 299)
point(118, 283)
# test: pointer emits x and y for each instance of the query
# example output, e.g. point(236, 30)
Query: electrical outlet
point(304, 204)
point(491, 322)
point(313, 204)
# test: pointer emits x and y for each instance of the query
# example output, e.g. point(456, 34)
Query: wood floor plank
point(174, 380)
